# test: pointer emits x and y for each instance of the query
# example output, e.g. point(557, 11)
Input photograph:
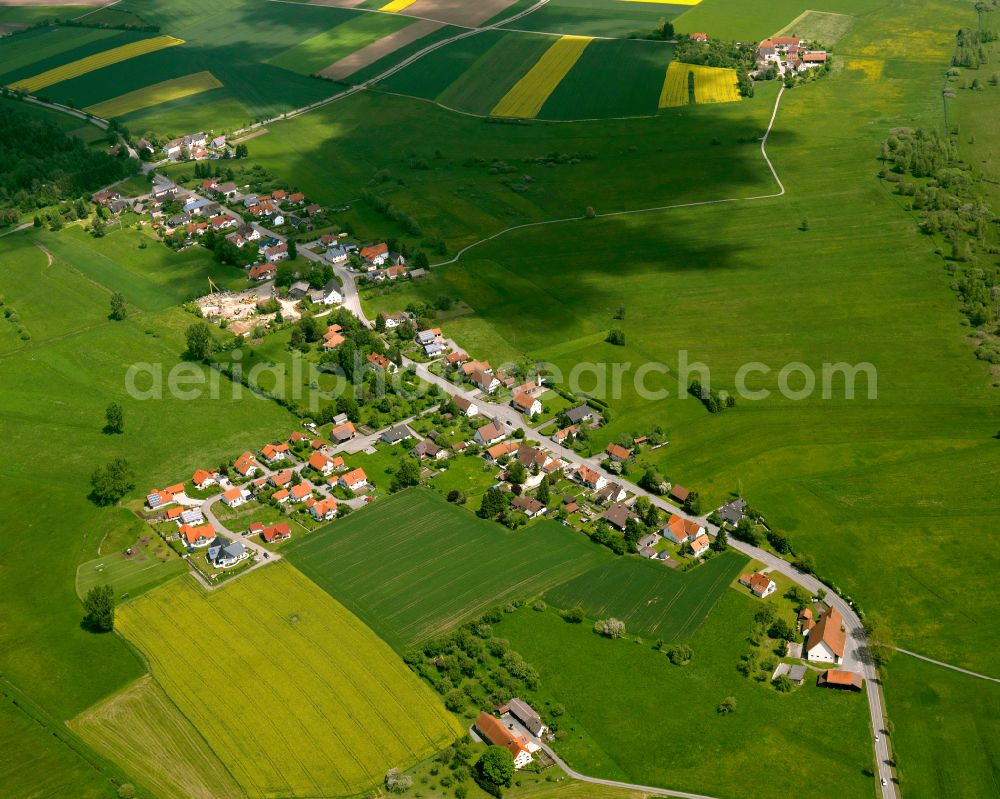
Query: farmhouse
point(760, 585)
point(490, 434)
point(197, 536)
point(275, 533)
point(491, 729)
point(837, 678)
point(375, 254)
point(526, 714)
point(235, 497)
point(354, 480)
point(827, 641)
point(526, 404)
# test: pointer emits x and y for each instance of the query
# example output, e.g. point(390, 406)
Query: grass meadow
point(653, 600)
point(142, 730)
point(53, 396)
point(412, 566)
point(273, 658)
point(598, 17)
point(745, 20)
point(632, 715)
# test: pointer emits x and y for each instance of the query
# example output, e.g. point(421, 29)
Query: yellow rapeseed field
point(297, 696)
point(156, 94)
point(711, 85)
point(397, 5)
point(675, 86)
point(75, 69)
point(528, 95)
point(715, 85)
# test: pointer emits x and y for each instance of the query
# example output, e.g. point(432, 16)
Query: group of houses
point(685, 533)
point(193, 147)
point(789, 52)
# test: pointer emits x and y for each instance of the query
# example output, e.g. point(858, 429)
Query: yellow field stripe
point(528, 95)
point(155, 94)
point(397, 5)
point(75, 69)
point(675, 86)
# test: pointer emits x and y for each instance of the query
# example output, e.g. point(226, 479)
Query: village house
point(396, 434)
point(429, 450)
point(324, 510)
point(375, 254)
point(590, 478)
point(380, 362)
point(579, 414)
point(563, 436)
point(275, 532)
point(492, 730)
point(732, 512)
point(273, 453)
point(282, 496)
point(699, 545)
point(526, 404)
point(282, 478)
point(466, 406)
point(827, 640)
point(235, 497)
point(246, 465)
point(321, 463)
point(456, 358)
point(618, 453)
point(277, 252)
point(300, 492)
point(195, 537)
point(680, 530)
point(329, 294)
point(490, 434)
point(354, 480)
point(760, 584)
point(618, 515)
point(485, 381)
point(501, 450)
point(612, 492)
point(529, 506)
point(262, 272)
point(223, 553)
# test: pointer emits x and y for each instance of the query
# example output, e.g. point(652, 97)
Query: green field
point(151, 564)
point(961, 710)
point(598, 17)
point(412, 566)
point(656, 723)
point(156, 95)
point(143, 731)
point(616, 78)
point(745, 20)
point(653, 600)
point(272, 658)
point(33, 14)
point(320, 51)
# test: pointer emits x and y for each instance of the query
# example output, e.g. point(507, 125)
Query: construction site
point(241, 309)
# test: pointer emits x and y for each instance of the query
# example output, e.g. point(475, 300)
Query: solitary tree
point(200, 343)
point(100, 609)
point(115, 418)
point(407, 474)
point(494, 770)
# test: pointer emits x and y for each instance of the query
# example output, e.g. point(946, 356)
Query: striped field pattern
point(296, 695)
point(528, 95)
point(711, 85)
point(156, 94)
point(75, 69)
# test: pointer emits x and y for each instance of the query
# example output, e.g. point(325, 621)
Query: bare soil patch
point(458, 12)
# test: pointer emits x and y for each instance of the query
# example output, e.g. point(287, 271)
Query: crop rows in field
point(158, 93)
point(84, 65)
point(298, 696)
point(529, 94)
point(413, 566)
point(711, 85)
point(651, 599)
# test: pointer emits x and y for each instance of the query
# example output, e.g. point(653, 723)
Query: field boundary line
point(951, 666)
point(612, 214)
